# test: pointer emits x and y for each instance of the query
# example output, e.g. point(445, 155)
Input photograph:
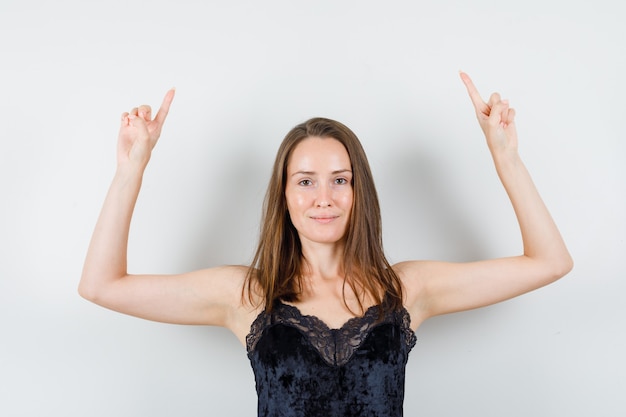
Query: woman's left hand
point(496, 119)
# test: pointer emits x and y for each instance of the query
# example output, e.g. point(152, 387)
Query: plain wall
point(245, 73)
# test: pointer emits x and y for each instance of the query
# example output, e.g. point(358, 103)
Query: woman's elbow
point(89, 290)
point(86, 291)
point(561, 266)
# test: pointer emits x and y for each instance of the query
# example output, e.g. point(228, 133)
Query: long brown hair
point(277, 267)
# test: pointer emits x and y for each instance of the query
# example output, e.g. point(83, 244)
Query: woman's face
point(319, 190)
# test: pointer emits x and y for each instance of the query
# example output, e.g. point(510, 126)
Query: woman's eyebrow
point(303, 173)
point(339, 171)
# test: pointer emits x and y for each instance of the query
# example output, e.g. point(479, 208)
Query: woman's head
point(365, 209)
point(279, 259)
point(318, 191)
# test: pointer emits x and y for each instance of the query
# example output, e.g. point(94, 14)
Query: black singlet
point(304, 368)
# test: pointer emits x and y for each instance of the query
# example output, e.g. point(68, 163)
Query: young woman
point(327, 321)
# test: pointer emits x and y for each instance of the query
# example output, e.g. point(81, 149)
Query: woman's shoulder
point(246, 301)
point(412, 276)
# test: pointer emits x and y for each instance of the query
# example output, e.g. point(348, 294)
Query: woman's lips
point(324, 219)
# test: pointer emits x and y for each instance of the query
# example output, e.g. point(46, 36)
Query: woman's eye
point(341, 181)
point(305, 182)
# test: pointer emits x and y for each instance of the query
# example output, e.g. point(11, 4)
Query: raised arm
point(211, 296)
point(435, 288)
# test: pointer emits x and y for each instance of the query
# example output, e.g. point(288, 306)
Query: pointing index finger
point(165, 106)
point(477, 100)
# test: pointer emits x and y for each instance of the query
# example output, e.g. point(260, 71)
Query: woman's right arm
point(210, 296)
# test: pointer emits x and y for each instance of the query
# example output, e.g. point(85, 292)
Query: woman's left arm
point(435, 288)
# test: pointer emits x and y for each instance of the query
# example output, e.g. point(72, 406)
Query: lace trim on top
point(335, 346)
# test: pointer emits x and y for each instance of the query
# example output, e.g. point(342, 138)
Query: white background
point(245, 73)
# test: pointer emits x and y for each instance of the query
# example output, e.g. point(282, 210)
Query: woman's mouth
point(324, 219)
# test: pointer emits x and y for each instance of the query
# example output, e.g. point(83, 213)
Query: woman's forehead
point(316, 154)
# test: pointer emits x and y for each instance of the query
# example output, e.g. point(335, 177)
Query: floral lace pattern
point(335, 346)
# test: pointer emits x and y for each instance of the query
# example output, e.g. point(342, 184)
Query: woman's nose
point(323, 197)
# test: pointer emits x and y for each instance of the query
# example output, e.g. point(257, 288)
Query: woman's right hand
point(139, 133)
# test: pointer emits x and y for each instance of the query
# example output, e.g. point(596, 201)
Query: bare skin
point(318, 193)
